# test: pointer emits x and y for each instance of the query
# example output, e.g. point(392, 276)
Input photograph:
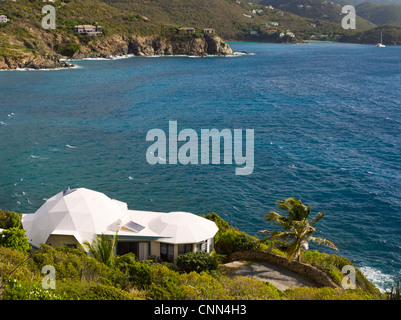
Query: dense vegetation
point(195, 275)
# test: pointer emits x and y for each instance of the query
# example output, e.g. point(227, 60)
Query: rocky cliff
point(42, 54)
point(153, 45)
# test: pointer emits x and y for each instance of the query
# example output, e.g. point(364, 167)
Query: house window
point(140, 249)
point(184, 248)
point(167, 252)
point(201, 246)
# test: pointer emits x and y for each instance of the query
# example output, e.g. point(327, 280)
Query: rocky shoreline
point(120, 46)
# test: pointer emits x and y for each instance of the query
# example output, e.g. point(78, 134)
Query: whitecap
point(2, 123)
point(70, 146)
point(244, 53)
point(381, 280)
point(131, 178)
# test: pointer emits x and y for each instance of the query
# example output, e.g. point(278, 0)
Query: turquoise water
point(327, 127)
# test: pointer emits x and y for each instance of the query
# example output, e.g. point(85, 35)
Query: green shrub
point(196, 261)
point(68, 49)
point(17, 290)
point(202, 286)
point(69, 264)
point(332, 264)
point(165, 284)
point(138, 273)
point(14, 238)
point(98, 291)
point(234, 240)
point(9, 219)
point(9, 260)
point(245, 288)
point(326, 293)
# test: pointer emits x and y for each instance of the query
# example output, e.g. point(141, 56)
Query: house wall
point(155, 246)
point(60, 240)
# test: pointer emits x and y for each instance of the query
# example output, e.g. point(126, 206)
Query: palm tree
point(297, 228)
point(102, 248)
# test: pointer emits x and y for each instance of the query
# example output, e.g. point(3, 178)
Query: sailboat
point(380, 44)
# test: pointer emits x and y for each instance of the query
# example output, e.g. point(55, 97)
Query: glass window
point(167, 252)
point(201, 246)
point(184, 248)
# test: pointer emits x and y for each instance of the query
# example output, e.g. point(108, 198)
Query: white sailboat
point(380, 44)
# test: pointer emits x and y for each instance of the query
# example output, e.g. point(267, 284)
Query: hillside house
point(208, 31)
point(89, 30)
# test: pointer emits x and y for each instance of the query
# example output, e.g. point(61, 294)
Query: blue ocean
point(327, 130)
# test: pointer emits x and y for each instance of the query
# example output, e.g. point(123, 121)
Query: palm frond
point(323, 241)
point(319, 216)
point(278, 234)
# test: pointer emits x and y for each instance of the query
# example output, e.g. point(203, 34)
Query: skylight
point(133, 226)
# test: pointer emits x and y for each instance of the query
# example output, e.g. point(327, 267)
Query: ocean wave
point(243, 53)
point(110, 58)
point(70, 146)
point(382, 281)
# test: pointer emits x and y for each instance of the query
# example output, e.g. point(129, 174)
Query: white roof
point(84, 213)
point(183, 227)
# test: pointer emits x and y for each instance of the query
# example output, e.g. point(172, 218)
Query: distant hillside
point(378, 1)
point(391, 36)
point(327, 10)
point(233, 20)
point(380, 14)
point(25, 44)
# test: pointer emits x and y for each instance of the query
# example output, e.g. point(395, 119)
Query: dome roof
point(78, 212)
point(183, 227)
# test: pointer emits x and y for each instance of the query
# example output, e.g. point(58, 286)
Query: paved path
point(280, 277)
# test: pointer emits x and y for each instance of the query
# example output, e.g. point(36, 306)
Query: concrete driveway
point(281, 278)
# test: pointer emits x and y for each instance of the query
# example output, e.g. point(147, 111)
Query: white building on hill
point(77, 215)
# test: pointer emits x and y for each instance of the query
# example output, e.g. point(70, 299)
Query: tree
point(102, 248)
point(14, 238)
point(297, 228)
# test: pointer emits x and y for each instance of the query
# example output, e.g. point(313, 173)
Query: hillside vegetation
point(230, 19)
point(325, 10)
point(391, 36)
point(195, 276)
point(380, 14)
